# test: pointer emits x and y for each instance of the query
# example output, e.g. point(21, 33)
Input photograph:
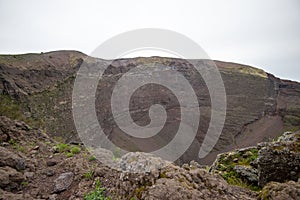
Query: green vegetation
point(20, 149)
point(46, 104)
point(12, 108)
point(291, 119)
point(16, 145)
point(92, 158)
point(97, 194)
point(62, 147)
point(227, 163)
point(25, 184)
point(89, 175)
point(139, 192)
point(69, 155)
point(70, 151)
point(75, 150)
point(13, 142)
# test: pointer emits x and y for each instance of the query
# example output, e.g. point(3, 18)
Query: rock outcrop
point(279, 161)
point(272, 166)
point(173, 182)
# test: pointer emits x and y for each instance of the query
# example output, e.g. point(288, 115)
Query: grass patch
point(16, 146)
point(75, 150)
point(62, 147)
point(69, 151)
point(13, 142)
point(89, 175)
point(97, 194)
point(69, 154)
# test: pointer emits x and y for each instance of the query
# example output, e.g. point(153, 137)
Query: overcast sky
point(261, 33)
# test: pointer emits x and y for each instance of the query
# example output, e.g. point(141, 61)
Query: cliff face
point(37, 88)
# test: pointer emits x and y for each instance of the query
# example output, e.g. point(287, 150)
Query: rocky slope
point(37, 89)
point(34, 166)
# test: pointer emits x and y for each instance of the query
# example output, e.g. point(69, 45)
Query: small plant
point(24, 184)
point(16, 145)
point(20, 149)
point(207, 168)
point(75, 150)
point(92, 158)
point(12, 142)
point(97, 193)
point(89, 175)
point(62, 147)
point(32, 144)
point(69, 154)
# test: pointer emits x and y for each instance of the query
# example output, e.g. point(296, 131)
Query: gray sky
point(261, 33)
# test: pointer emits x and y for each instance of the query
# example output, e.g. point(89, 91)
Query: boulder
point(10, 179)
point(247, 173)
point(138, 162)
point(63, 182)
point(149, 177)
point(8, 158)
point(279, 161)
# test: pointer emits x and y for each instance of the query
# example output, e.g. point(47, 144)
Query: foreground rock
point(10, 179)
point(8, 158)
point(163, 180)
point(280, 161)
point(63, 182)
point(247, 173)
point(280, 191)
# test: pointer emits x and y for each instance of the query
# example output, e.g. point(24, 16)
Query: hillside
point(37, 89)
point(42, 157)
